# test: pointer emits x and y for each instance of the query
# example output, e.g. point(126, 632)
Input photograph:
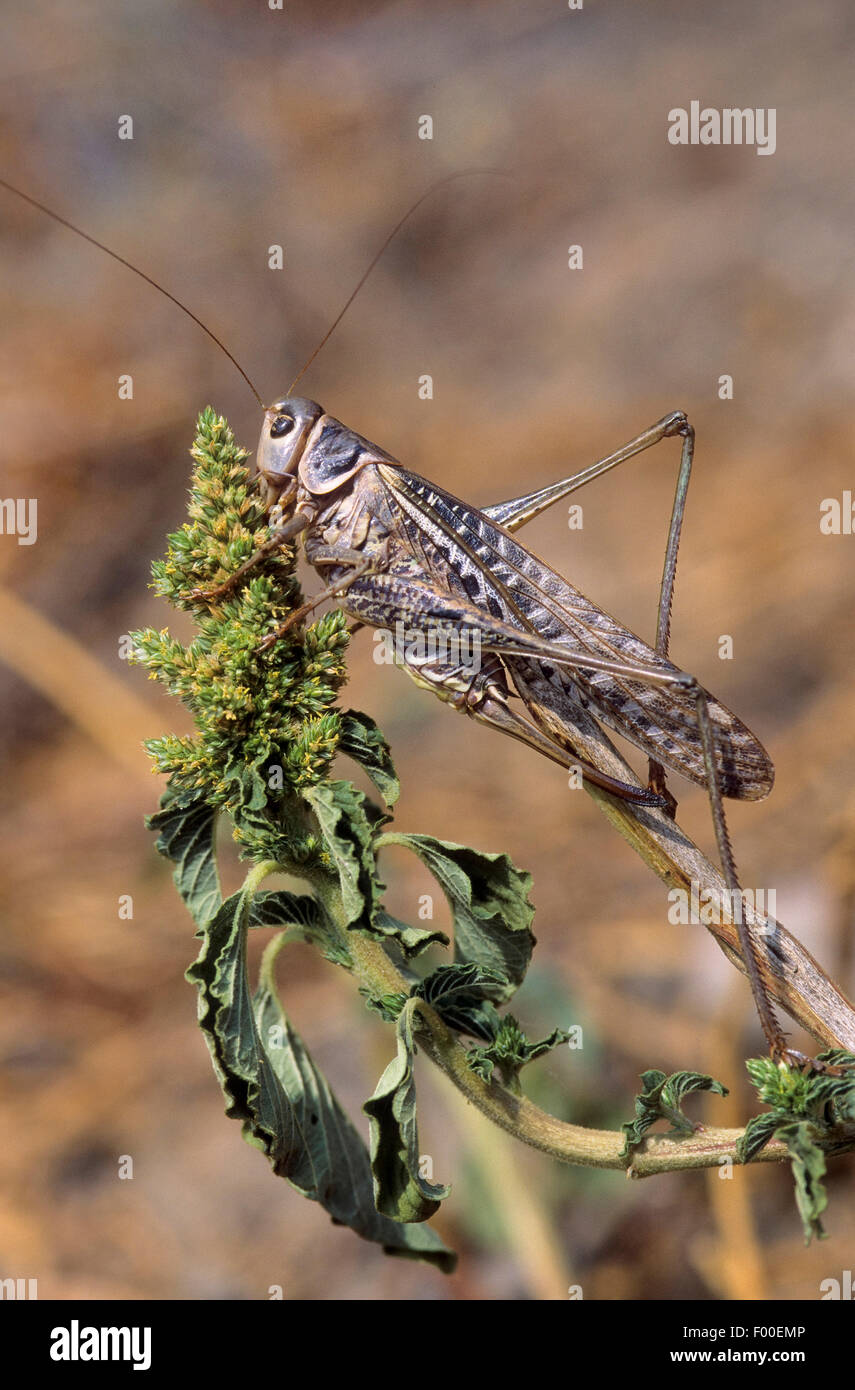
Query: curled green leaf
point(488, 897)
point(361, 740)
point(186, 836)
point(287, 1108)
point(400, 1190)
point(661, 1099)
point(510, 1051)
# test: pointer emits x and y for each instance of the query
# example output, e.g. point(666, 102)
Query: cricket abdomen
point(661, 721)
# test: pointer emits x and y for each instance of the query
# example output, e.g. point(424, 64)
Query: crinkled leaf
point(301, 910)
point(510, 1050)
point(247, 785)
point(808, 1164)
point(412, 940)
point(399, 1191)
point(661, 1099)
point(225, 1016)
point(388, 1006)
point(807, 1107)
point(831, 1099)
point(462, 996)
point(287, 1108)
point(683, 1083)
point(334, 1166)
point(843, 1100)
point(186, 836)
point(361, 740)
point(489, 903)
point(341, 811)
point(837, 1057)
point(284, 909)
point(756, 1135)
point(455, 984)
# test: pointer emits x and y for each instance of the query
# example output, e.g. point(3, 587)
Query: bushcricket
point(396, 550)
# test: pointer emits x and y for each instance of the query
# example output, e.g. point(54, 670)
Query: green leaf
point(412, 940)
point(225, 1016)
point(462, 996)
point(361, 740)
point(246, 785)
point(399, 1191)
point(756, 1135)
point(807, 1108)
point(187, 837)
point(342, 814)
point(488, 898)
point(510, 1050)
point(287, 1108)
point(284, 909)
point(388, 1006)
point(830, 1098)
point(808, 1164)
point(334, 1166)
point(661, 1099)
point(837, 1057)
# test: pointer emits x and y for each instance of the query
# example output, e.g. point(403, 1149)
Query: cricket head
point(300, 442)
point(287, 426)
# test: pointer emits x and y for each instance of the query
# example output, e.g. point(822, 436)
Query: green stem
point(267, 968)
point(258, 873)
point(596, 1148)
point(251, 885)
point(518, 1116)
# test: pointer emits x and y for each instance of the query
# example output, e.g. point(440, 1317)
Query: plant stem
point(708, 1147)
point(595, 1148)
point(258, 873)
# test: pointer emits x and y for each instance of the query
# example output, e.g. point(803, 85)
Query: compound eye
point(283, 424)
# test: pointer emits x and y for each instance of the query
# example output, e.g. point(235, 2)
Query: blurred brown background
point(254, 127)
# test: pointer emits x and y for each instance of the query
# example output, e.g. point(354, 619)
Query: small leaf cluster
point(510, 1051)
point(810, 1108)
point(662, 1099)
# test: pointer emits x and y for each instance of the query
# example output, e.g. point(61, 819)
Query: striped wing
point(501, 577)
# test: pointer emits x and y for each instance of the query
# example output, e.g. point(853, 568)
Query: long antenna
point(93, 241)
point(64, 222)
point(461, 174)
